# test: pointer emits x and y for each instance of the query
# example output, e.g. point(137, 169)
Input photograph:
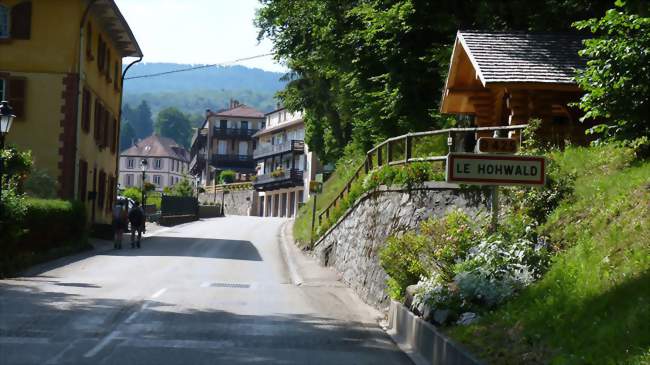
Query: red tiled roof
point(157, 146)
point(241, 111)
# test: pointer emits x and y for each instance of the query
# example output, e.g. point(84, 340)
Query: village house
point(225, 142)
point(285, 166)
point(498, 78)
point(61, 71)
point(167, 163)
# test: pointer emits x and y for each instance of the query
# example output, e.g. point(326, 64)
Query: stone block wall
point(352, 245)
point(239, 202)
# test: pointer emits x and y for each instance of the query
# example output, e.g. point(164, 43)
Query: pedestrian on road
point(136, 217)
point(119, 224)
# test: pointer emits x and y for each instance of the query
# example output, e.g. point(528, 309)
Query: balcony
point(238, 133)
point(197, 164)
point(269, 149)
point(243, 162)
point(278, 180)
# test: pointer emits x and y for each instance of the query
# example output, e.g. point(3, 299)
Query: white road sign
point(482, 169)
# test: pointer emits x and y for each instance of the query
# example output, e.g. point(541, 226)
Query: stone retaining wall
point(238, 202)
point(352, 245)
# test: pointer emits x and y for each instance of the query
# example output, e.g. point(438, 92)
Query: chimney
point(207, 113)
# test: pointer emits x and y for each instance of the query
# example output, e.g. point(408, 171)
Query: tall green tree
point(127, 135)
point(141, 121)
point(364, 70)
point(172, 123)
point(617, 76)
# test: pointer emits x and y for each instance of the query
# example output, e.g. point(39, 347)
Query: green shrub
point(227, 176)
point(68, 217)
point(133, 193)
point(401, 259)
point(40, 184)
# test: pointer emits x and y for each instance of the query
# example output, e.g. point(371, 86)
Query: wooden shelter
point(509, 78)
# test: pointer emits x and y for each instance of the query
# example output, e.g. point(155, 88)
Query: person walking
point(119, 224)
point(136, 217)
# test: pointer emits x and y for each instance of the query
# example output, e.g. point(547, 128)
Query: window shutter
point(85, 111)
point(21, 20)
point(16, 91)
point(83, 179)
point(97, 120)
point(105, 129)
point(114, 130)
point(101, 193)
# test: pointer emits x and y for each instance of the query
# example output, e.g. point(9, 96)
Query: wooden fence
point(211, 189)
point(414, 147)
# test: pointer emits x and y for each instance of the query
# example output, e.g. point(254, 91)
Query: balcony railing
point(241, 133)
point(268, 149)
point(197, 163)
point(240, 161)
point(286, 178)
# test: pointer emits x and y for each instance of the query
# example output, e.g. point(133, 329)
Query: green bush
point(227, 176)
point(133, 193)
point(401, 259)
point(68, 217)
point(40, 184)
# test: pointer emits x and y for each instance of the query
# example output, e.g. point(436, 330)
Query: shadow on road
point(174, 336)
point(191, 247)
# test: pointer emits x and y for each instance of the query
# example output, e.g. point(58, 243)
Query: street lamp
point(143, 166)
point(6, 118)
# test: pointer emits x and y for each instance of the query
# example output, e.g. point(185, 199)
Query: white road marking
point(159, 293)
point(56, 359)
point(131, 317)
point(102, 344)
point(24, 340)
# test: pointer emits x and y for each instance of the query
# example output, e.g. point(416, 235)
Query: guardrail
point(211, 189)
point(402, 150)
point(269, 149)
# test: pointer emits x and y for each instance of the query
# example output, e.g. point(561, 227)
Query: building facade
point(61, 71)
point(167, 163)
point(285, 166)
point(225, 142)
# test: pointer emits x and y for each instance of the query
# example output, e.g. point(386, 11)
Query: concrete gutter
point(422, 341)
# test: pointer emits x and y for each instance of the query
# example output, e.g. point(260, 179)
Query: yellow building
point(70, 123)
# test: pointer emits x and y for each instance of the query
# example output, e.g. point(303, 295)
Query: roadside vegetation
point(29, 213)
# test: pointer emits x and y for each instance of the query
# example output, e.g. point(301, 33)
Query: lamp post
point(143, 166)
point(6, 118)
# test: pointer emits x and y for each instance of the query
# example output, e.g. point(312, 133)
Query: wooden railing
point(211, 189)
point(386, 153)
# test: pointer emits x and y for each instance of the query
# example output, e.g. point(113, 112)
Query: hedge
point(49, 223)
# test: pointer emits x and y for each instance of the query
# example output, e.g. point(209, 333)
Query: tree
point(617, 77)
point(183, 188)
point(227, 176)
point(127, 135)
point(141, 121)
point(172, 123)
point(366, 70)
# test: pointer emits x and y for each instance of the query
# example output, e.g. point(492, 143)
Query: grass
point(345, 168)
point(593, 305)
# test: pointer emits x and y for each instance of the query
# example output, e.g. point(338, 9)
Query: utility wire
point(197, 67)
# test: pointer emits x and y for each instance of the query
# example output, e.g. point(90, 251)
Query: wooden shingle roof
point(523, 57)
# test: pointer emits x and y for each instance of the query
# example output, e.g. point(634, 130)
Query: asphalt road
point(211, 292)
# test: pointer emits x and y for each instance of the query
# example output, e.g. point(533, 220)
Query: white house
point(285, 166)
point(167, 163)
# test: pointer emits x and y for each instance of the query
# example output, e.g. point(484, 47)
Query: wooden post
point(313, 218)
point(368, 163)
point(389, 152)
point(407, 148)
point(379, 159)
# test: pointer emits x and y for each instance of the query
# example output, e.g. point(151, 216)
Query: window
point(85, 111)
point(101, 54)
point(114, 131)
point(107, 64)
point(156, 179)
point(244, 124)
point(4, 21)
point(157, 164)
point(101, 189)
point(223, 124)
point(129, 163)
point(129, 180)
point(97, 120)
point(14, 91)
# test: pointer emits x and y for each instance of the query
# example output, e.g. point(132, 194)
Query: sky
point(198, 31)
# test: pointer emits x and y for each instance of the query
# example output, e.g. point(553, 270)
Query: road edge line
point(291, 266)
